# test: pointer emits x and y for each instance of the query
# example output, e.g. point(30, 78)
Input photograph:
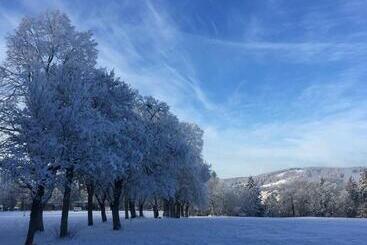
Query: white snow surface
point(279, 182)
point(195, 230)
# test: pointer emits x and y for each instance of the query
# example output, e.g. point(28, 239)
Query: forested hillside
point(337, 192)
point(274, 180)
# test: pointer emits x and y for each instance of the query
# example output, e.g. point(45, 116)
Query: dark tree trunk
point(41, 227)
point(45, 199)
point(34, 222)
point(171, 209)
point(187, 206)
point(103, 212)
point(116, 205)
point(22, 204)
point(141, 210)
point(111, 208)
point(102, 206)
point(66, 203)
point(126, 206)
point(90, 190)
point(132, 209)
point(165, 208)
point(182, 213)
point(155, 209)
point(177, 210)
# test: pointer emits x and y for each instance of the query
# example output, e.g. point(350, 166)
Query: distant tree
point(271, 206)
point(301, 198)
point(287, 206)
point(362, 210)
point(9, 192)
point(250, 183)
point(250, 198)
point(352, 201)
point(231, 203)
point(215, 195)
point(327, 193)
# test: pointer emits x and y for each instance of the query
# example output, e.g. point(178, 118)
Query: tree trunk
point(187, 206)
point(182, 213)
point(103, 212)
point(155, 209)
point(34, 216)
point(165, 208)
point(132, 209)
point(90, 190)
point(177, 209)
point(45, 199)
point(141, 208)
point(66, 203)
point(101, 202)
point(40, 219)
point(126, 206)
point(171, 209)
point(116, 205)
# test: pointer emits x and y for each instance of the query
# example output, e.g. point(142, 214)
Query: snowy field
point(200, 230)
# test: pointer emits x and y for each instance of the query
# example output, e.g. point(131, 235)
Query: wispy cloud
point(282, 86)
point(298, 52)
point(8, 21)
point(144, 50)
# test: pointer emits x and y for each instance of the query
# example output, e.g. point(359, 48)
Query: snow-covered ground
point(200, 230)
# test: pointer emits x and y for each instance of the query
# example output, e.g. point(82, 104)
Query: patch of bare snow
point(279, 182)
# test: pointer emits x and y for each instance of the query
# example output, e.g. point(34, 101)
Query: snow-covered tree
point(215, 195)
point(30, 146)
point(159, 127)
point(192, 172)
point(251, 199)
point(231, 202)
point(362, 210)
point(352, 198)
point(328, 198)
point(44, 80)
point(119, 147)
point(271, 206)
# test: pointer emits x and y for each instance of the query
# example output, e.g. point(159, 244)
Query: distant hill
point(274, 180)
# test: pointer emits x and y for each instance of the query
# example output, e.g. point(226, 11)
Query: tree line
point(326, 198)
point(63, 120)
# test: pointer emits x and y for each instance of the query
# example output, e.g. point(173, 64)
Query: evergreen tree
point(251, 199)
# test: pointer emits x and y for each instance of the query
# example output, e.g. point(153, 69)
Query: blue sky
point(274, 84)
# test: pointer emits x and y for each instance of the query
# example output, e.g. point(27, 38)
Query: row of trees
point(62, 120)
point(326, 198)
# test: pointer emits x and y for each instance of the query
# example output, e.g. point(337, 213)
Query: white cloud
point(335, 141)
